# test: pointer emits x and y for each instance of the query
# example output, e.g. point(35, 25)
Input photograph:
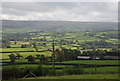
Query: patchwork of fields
point(76, 40)
point(37, 43)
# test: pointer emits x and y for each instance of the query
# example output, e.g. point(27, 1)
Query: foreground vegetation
point(88, 77)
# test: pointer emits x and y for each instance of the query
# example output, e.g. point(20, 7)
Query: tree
point(18, 56)
point(5, 43)
point(44, 44)
point(12, 58)
point(8, 46)
point(78, 47)
point(31, 58)
point(44, 38)
point(100, 53)
point(34, 45)
point(53, 55)
point(76, 40)
point(36, 49)
point(38, 56)
point(15, 42)
point(43, 59)
point(23, 46)
point(60, 55)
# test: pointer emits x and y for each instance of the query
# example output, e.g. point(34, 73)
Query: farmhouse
point(87, 57)
point(111, 57)
point(83, 57)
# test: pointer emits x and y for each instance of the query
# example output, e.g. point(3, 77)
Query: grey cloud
point(38, 6)
point(82, 11)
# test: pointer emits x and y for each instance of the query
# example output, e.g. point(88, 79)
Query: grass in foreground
point(88, 76)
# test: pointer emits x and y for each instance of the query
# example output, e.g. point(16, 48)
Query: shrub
point(52, 73)
point(45, 71)
point(59, 73)
point(11, 73)
point(27, 70)
point(75, 70)
point(38, 71)
point(31, 59)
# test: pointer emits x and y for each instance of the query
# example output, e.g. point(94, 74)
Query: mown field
point(98, 62)
point(94, 76)
point(88, 77)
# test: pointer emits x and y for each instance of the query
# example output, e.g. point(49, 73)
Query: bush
point(11, 73)
point(59, 73)
point(52, 73)
point(31, 59)
point(14, 73)
point(75, 70)
point(41, 71)
point(45, 71)
point(27, 70)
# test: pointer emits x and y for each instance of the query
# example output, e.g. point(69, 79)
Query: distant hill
point(58, 26)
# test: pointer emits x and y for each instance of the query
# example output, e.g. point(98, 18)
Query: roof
point(111, 57)
point(83, 57)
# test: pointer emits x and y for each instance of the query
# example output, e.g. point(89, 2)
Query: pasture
point(97, 62)
point(88, 77)
point(25, 54)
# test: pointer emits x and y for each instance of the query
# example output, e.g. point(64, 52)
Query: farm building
point(86, 57)
point(83, 57)
point(110, 57)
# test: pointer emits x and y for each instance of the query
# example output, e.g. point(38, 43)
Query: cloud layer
point(60, 11)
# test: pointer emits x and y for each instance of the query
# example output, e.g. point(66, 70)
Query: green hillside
point(56, 26)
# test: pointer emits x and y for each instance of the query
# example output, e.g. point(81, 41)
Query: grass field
point(103, 70)
point(79, 36)
point(87, 76)
point(33, 66)
point(25, 54)
point(101, 62)
point(17, 49)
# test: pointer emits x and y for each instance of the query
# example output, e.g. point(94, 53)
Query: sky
point(61, 11)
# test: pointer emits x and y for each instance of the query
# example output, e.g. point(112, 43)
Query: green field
point(98, 62)
point(17, 49)
point(88, 76)
point(103, 70)
point(33, 66)
point(25, 54)
point(100, 70)
point(79, 36)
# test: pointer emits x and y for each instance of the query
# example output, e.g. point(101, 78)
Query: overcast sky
point(61, 11)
